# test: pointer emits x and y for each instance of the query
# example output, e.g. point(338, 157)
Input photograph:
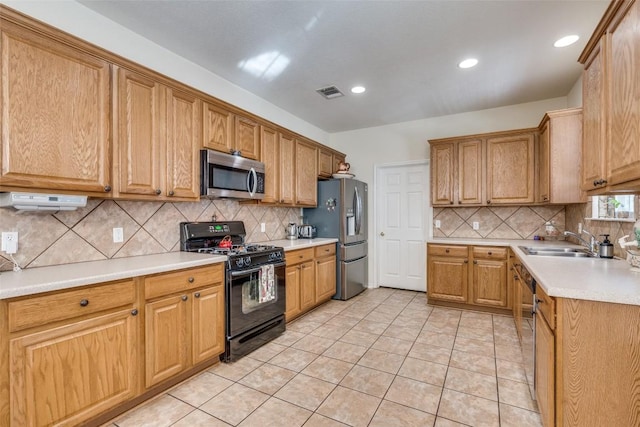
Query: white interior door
point(401, 222)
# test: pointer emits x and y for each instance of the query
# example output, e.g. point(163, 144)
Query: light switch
point(437, 223)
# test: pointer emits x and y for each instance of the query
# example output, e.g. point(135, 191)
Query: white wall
point(402, 142)
point(76, 19)
point(574, 99)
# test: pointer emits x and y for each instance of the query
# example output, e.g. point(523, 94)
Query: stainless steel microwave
point(226, 175)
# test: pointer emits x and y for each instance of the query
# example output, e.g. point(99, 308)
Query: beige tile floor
point(383, 358)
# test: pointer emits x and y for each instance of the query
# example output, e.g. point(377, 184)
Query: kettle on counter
point(292, 231)
point(606, 247)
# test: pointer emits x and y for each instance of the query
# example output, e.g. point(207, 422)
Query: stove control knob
point(240, 262)
point(247, 261)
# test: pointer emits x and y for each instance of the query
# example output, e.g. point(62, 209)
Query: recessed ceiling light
point(566, 41)
point(358, 89)
point(468, 63)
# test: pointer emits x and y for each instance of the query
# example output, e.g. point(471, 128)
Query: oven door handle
point(254, 270)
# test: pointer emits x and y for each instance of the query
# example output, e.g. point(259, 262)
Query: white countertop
point(57, 277)
point(594, 279)
point(290, 245)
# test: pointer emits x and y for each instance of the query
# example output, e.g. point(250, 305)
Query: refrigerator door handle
point(358, 210)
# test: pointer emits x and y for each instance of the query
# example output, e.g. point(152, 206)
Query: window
point(613, 208)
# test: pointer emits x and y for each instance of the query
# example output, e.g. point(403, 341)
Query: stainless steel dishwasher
point(528, 326)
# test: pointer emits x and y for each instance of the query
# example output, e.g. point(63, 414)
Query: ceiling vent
point(330, 92)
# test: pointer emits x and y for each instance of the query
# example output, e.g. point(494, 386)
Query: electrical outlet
point(10, 242)
point(118, 235)
point(476, 225)
point(263, 227)
point(579, 228)
point(437, 223)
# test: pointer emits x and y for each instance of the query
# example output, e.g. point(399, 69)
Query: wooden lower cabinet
point(469, 275)
point(310, 278)
point(66, 375)
point(208, 324)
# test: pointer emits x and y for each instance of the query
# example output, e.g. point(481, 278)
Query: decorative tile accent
point(509, 222)
point(149, 228)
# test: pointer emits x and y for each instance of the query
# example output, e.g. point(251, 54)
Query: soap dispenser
point(606, 247)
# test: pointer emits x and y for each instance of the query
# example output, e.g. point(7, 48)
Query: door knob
point(382, 233)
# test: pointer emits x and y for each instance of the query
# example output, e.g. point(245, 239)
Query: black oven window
point(259, 289)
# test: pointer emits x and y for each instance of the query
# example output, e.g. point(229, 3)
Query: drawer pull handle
point(490, 253)
point(134, 312)
point(197, 295)
point(446, 251)
point(184, 298)
point(84, 303)
point(190, 279)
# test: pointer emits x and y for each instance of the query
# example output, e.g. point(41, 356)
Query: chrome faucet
point(592, 245)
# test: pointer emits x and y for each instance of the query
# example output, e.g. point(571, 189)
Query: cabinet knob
point(184, 298)
point(488, 202)
point(466, 261)
point(475, 262)
point(158, 191)
point(382, 233)
point(446, 251)
point(490, 253)
point(134, 312)
point(107, 188)
point(190, 279)
point(545, 198)
point(84, 303)
point(539, 301)
point(171, 193)
point(197, 295)
point(451, 202)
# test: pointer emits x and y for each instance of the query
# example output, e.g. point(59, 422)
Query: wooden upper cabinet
point(559, 154)
point(624, 77)
point(55, 115)
point(138, 146)
point(325, 163)
point(287, 169)
point(594, 129)
point(217, 128)
point(247, 137)
point(270, 156)
point(306, 174)
point(184, 125)
point(510, 169)
point(442, 174)
point(158, 133)
point(470, 172)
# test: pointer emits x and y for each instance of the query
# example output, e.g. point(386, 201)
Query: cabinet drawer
point(183, 280)
point(447, 250)
point(301, 255)
point(489, 252)
point(546, 307)
point(40, 310)
point(325, 250)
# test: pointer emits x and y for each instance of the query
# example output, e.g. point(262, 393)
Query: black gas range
point(254, 284)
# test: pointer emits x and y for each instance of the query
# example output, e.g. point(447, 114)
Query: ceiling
point(404, 52)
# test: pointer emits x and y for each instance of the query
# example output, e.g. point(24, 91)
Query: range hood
point(42, 202)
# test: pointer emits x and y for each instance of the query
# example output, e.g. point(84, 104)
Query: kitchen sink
point(561, 252)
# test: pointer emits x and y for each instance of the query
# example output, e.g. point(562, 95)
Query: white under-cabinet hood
point(42, 202)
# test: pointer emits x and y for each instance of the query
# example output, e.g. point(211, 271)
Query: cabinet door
point(545, 371)
point(270, 156)
point(96, 364)
point(217, 128)
point(306, 174)
point(139, 146)
point(287, 169)
point(208, 321)
point(442, 174)
point(166, 343)
point(337, 159)
point(470, 172)
point(512, 157)
point(184, 137)
point(489, 283)
point(307, 285)
point(447, 279)
point(325, 278)
point(325, 163)
point(293, 307)
point(543, 164)
point(624, 77)
point(247, 134)
point(55, 115)
point(593, 120)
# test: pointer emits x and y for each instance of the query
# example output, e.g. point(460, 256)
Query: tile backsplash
point(509, 222)
point(86, 234)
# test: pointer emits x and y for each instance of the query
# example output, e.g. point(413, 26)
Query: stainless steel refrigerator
point(342, 214)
